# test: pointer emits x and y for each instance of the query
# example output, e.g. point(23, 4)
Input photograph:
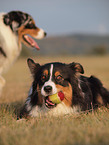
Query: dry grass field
point(80, 129)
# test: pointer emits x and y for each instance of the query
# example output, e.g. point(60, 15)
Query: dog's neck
point(9, 42)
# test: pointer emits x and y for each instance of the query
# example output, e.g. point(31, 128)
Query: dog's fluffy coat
point(14, 27)
point(81, 93)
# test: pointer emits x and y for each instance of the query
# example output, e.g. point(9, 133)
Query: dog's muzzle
point(48, 103)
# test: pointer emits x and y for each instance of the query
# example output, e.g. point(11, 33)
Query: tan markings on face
point(45, 72)
point(67, 93)
point(22, 31)
point(40, 100)
point(57, 73)
point(100, 100)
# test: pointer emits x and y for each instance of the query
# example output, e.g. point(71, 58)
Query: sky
point(61, 17)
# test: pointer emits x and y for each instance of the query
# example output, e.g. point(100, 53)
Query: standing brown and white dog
point(16, 27)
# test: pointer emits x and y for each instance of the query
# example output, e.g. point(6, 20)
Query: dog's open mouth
point(31, 41)
point(48, 103)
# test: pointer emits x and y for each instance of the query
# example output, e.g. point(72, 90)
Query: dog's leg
point(26, 108)
point(31, 102)
point(2, 83)
point(101, 94)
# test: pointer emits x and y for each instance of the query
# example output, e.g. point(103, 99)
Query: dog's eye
point(43, 77)
point(30, 25)
point(59, 78)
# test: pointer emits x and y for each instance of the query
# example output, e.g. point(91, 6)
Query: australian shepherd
point(81, 93)
point(16, 27)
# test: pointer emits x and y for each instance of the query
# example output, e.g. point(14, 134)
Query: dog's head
point(24, 26)
point(52, 78)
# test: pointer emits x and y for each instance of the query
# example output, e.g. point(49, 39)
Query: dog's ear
point(34, 67)
point(14, 25)
point(6, 19)
point(11, 22)
point(15, 19)
point(76, 67)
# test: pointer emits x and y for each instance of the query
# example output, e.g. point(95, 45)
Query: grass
point(81, 129)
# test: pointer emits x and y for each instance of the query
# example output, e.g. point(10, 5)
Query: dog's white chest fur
point(9, 44)
point(60, 109)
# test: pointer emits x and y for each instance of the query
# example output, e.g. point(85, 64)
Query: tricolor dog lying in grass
point(72, 92)
point(16, 27)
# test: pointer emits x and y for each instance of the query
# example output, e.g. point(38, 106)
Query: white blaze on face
point(40, 35)
point(49, 83)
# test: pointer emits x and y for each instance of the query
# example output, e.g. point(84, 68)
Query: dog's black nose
point(47, 89)
point(45, 33)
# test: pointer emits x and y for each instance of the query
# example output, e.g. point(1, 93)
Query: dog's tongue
point(32, 42)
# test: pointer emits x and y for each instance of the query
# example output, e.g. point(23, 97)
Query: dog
point(81, 93)
point(15, 28)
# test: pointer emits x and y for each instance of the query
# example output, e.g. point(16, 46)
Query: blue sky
point(59, 17)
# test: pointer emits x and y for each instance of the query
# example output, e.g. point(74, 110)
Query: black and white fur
point(81, 93)
point(14, 29)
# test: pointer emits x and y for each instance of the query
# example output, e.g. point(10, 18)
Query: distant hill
point(70, 44)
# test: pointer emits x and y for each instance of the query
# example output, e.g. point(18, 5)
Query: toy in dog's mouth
point(30, 41)
point(48, 103)
point(52, 100)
